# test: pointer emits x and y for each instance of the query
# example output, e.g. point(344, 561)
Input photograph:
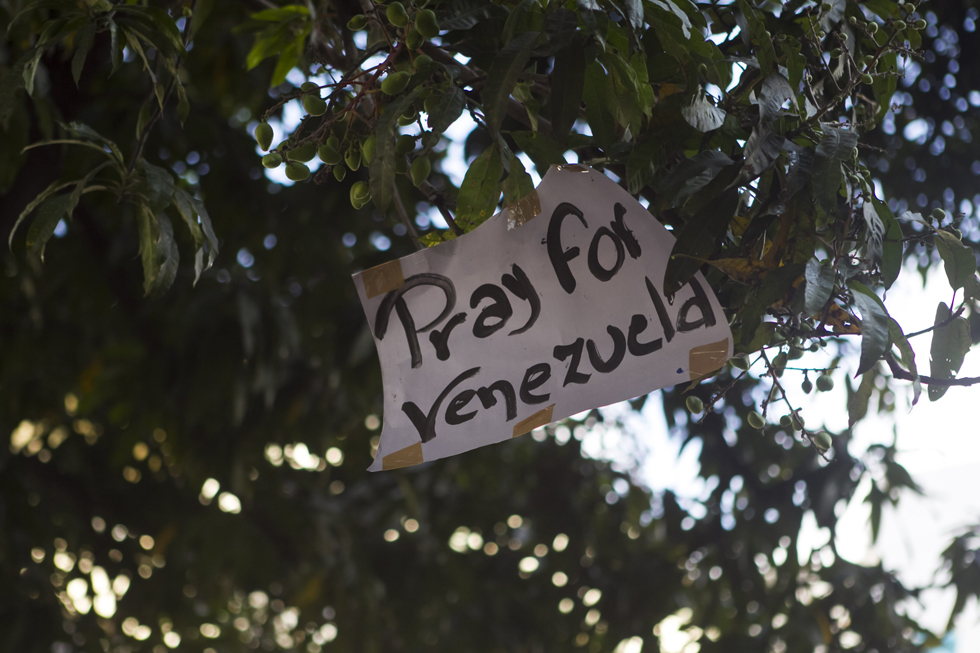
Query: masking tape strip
point(403, 458)
point(571, 167)
point(708, 358)
point(382, 278)
point(539, 418)
point(523, 210)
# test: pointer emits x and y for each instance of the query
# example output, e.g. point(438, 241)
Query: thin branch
point(904, 375)
point(944, 323)
point(400, 209)
point(438, 199)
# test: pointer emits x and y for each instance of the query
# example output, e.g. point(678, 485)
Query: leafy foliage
point(202, 446)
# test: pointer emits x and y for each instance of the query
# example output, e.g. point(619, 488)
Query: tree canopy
point(189, 383)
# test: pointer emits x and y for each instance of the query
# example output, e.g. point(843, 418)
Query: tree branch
point(945, 322)
point(904, 375)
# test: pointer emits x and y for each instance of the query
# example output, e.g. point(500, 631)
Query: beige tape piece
point(572, 167)
point(708, 358)
point(403, 458)
point(539, 418)
point(382, 278)
point(523, 210)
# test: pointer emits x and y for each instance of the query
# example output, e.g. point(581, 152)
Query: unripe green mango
point(297, 171)
point(395, 82)
point(303, 153)
point(396, 14)
point(263, 135)
point(426, 23)
point(314, 105)
point(421, 167)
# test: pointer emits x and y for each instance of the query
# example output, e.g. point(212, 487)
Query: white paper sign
point(551, 307)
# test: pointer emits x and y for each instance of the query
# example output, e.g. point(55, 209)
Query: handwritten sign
point(551, 307)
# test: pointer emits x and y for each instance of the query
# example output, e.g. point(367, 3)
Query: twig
point(945, 322)
point(436, 198)
point(904, 375)
point(400, 208)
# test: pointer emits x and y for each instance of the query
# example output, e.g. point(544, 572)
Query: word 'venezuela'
point(495, 316)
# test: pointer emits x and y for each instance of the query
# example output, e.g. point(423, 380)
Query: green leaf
point(621, 93)
point(598, 116)
point(462, 14)
point(148, 235)
point(12, 81)
point(31, 7)
point(876, 232)
point(30, 69)
point(634, 13)
point(159, 186)
point(519, 20)
point(957, 258)
point(795, 62)
point(202, 9)
point(184, 204)
point(288, 59)
point(640, 168)
point(143, 118)
point(52, 188)
point(83, 43)
point(282, 13)
point(892, 247)
point(448, 109)
point(507, 66)
point(761, 151)
point(774, 288)
point(382, 177)
point(759, 337)
point(167, 27)
point(158, 252)
point(950, 342)
point(764, 50)
point(81, 130)
point(167, 254)
point(836, 145)
point(532, 107)
point(49, 215)
point(202, 214)
point(76, 194)
point(971, 289)
point(877, 499)
point(874, 325)
point(543, 150)
point(857, 403)
point(702, 235)
point(897, 337)
point(268, 43)
point(567, 84)
point(703, 115)
point(133, 40)
point(183, 106)
point(115, 47)
point(685, 21)
point(688, 177)
point(819, 286)
point(518, 183)
point(480, 190)
point(776, 90)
